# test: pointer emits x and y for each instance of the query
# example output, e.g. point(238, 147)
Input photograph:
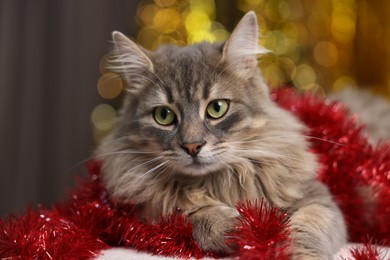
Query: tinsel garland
point(89, 221)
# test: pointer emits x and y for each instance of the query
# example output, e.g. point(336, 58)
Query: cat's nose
point(193, 149)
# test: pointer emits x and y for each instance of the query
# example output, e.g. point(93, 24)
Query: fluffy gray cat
point(198, 132)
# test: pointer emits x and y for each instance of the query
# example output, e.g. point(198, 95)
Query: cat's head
point(190, 110)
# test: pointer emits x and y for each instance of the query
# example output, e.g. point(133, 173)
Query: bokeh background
point(57, 100)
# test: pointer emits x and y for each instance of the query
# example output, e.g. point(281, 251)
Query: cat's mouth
point(194, 163)
point(198, 166)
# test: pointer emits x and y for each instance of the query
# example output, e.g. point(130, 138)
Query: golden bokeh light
point(343, 26)
point(275, 74)
point(147, 38)
point(297, 9)
point(343, 22)
point(201, 36)
point(198, 26)
point(166, 20)
point(343, 82)
point(326, 54)
point(103, 117)
point(147, 13)
point(275, 41)
point(304, 76)
point(164, 3)
point(178, 22)
point(220, 35)
point(205, 6)
point(109, 85)
point(317, 38)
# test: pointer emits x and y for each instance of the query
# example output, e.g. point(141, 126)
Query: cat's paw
point(211, 225)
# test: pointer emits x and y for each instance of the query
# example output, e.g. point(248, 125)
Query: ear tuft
point(129, 60)
point(128, 54)
point(242, 47)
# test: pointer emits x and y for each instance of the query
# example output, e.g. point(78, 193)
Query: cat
point(198, 132)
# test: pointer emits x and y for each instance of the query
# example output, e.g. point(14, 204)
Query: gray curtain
point(49, 66)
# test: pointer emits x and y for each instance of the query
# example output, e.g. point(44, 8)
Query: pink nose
point(193, 149)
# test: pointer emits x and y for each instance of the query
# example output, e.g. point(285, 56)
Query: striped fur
point(255, 151)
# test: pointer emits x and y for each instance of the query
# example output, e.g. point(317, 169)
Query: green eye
point(164, 116)
point(217, 108)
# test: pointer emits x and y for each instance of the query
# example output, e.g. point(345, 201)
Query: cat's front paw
point(211, 225)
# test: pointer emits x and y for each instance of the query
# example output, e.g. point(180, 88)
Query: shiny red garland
point(89, 222)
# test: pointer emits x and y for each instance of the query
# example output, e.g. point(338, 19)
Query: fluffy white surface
point(129, 253)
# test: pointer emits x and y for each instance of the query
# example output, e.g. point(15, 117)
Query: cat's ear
point(242, 48)
point(129, 60)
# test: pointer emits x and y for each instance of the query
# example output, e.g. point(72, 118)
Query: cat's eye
point(164, 116)
point(217, 108)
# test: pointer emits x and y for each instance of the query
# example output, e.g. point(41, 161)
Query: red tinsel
point(46, 235)
point(89, 222)
point(263, 234)
point(367, 252)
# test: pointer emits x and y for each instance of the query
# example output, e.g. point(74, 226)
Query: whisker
point(97, 156)
point(138, 179)
point(289, 135)
point(143, 164)
point(157, 174)
point(264, 153)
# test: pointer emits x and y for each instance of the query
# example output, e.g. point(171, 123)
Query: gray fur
point(255, 151)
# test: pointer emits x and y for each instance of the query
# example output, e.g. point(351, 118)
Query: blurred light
point(315, 88)
point(291, 31)
point(247, 5)
point(278, 42)
point(284, 10)
point(326, 54)
point(221, 35)
point(271, 11)
point(166, 20)
point(343, 27)
point(146, 13)
point(318, 24)
point(103, 117)
point(167, 39)
point(201, 36)
point(303, 35)
point(204, 6)
point(274, 75)
point(296, 9)
point(288, 66)
point(147, 38)
point(316, 34)
point(253, 2)
point(219, 32)
point(304, 75)
point(343, 20)
point(198, 26)
point(197, 21)
point(342, 82)
point(164, 3)
point(109, 85)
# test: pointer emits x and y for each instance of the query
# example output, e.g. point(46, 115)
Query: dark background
point(49, 65)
